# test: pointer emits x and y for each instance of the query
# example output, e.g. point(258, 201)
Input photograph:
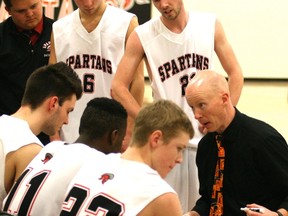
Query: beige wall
point(257, 30)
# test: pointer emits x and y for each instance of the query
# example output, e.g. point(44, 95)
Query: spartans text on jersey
point(182, 63)
point(85, 61)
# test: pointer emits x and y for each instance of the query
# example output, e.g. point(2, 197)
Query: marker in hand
point(260, 210)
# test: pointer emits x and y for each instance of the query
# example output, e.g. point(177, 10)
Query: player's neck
point(91, 21)
point(31, 117)
point(178, 24)
point(136, 154)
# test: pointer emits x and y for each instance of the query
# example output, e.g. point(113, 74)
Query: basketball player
point(132, 183)
point(49, 97)
point(102, 127)
point(175, 46)
point(92, 41)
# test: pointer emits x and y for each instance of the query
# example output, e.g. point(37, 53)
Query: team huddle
point(87, 144)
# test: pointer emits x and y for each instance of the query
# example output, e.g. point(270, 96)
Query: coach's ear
point(225, 98)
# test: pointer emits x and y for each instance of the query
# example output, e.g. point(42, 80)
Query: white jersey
point(14, 134)
point(117, 187)
point(41, 188)
point(173, 60)
point(94, 56)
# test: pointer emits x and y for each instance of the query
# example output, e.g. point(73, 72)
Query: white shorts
point(184, 178)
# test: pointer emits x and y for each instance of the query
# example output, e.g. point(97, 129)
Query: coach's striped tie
point(216, 208)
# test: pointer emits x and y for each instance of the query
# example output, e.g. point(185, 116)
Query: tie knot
point(218, 137)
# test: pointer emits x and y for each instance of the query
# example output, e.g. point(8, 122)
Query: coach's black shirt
point(18, 59)
point(255, 170)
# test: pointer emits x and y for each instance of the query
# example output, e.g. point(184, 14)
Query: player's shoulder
point(150, 29)
point(75, 146)
point(81, 150)
point(54, 145)
point(51, 148)
point(8, 126)
point(118, 11)
point(166, 204)
point(102, 160)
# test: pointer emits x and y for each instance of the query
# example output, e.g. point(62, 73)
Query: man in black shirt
point(255, 163)
point(24, 47)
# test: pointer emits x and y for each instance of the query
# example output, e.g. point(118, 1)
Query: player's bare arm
point(229, 62)
point(120, 87)
point(137, 91)
point(136, 87)
point(52, 58)
point(17, 161)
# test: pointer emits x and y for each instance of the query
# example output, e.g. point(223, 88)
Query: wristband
point(279, 213)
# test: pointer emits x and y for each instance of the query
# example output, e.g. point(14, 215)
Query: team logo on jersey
point(48, 156)
point(47, 46)
point(105, 177)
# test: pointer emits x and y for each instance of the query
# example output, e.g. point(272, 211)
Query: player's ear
point(115, 140)
point(53, 103)
point(114, 136)
point(8, 10)
point(155, 138)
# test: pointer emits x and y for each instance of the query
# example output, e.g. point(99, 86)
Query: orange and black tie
point(216, 208)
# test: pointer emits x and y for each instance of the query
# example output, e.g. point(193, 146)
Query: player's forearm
point(52, 57)
point(235, 86)
point(129, 93)
point(137, 86)
point(123, 95)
